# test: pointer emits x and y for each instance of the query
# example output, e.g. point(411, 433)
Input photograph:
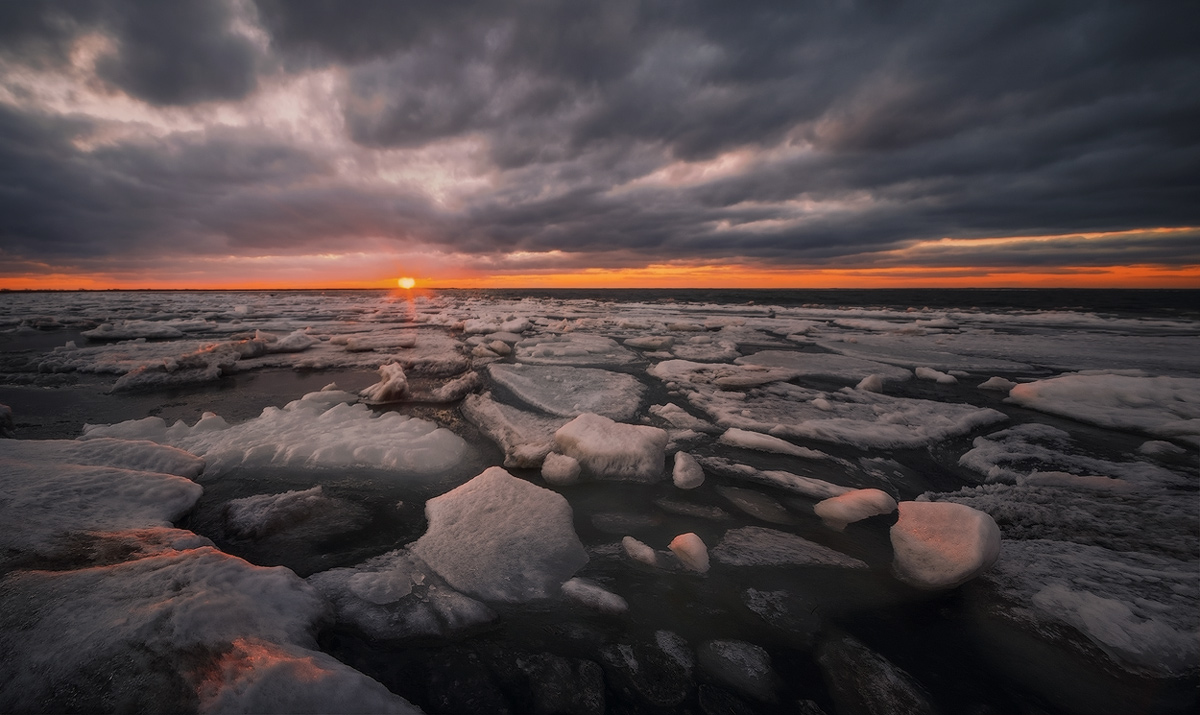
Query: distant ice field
point(590, 501)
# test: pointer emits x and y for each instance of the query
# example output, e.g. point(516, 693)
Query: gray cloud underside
point(925, 119)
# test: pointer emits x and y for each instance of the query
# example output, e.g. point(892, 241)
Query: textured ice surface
point(396, 596)
point(928, 373)
point(743, 666)
point(262, 515)
point(136, 455)
point(148, 625)
point(610, 450)
point(499, 538)
point(909, 351)
point(758, 546)
point(571, 391)
point(805, 486)
point(1160, 406)
point(723, 375)
point(526, 437)
point(560, 469)
point(942, 545)
point(1032, 454)
point(853, 417)
point(572, 349)
point(839, 511)
point(49, 500)
point(308, 432)
point(131, 329)
point(826, 365)
point(1139, 607)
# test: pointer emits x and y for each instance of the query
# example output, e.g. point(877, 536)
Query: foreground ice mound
point(1160, 406)
point(308, 432)
point(392, 385)
point(499, 538)
point(611, 450)
point(171, 632)
point(571, 391)
point(1140, 608)
point(47, 505)
point(263, 515)
point(942, 545)
point(526, 437)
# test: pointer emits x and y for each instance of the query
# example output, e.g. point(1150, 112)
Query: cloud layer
point(815, 134)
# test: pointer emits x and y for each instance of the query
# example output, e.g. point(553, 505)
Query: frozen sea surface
point(200, 511)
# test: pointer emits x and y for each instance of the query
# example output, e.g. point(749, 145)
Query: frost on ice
point(499, 538)
point(318, 430)
point(571, 391)
point(610, 450)
point(1167, 407)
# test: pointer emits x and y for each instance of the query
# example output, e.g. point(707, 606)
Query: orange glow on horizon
point(406, 283)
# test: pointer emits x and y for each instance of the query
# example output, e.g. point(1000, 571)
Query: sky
point(828, 143)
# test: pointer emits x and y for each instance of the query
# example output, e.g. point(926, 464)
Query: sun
point(406, 282)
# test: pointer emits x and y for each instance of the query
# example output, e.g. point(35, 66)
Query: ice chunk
point(308, 432)
point(706, 347)
point(559, 469)
point(722, 375)
point(262, 515)
point(499, 538)
point(638, 551)
point(757, 505)
point(392, 385)
point(997, 383)
point(368, 343)
point(571, 391)
point(765, 443)
point(805, 486)
point(1159, 406)
point(679, 417)
point(1158, 448)
point(594, 596)
point(942, 545)
point(870, 383)
point(928, 373)
point(610, 450)
point(825, 365)
point(854, 506)
point(743, 666)
point(572, 349)
point(687, 473)
point(690, 551)
point(396, 595)
point(757, 546)
point(525, 437)
point(651, 342)
point(294, 342)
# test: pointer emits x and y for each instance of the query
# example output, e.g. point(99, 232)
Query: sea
point(622, 500)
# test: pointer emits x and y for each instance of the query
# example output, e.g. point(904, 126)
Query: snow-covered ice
point(941, 545)
point(839, 511)
point(687, 472)
point(526, 437)
point(499, 538)
point(571, 391)
point(610, 450)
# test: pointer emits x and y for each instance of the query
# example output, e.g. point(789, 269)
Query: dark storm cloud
point(893, 122)
point(167, 53)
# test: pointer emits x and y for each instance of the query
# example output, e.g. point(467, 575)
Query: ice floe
point(572, 349)
point(691, 551)
point(1167, 407)
point(571, 391)
point(825, 365)
point(526, 437)
point(499, 538)
point(306, 432)
point(594, 596)
point(840, 511)
point(687, 473)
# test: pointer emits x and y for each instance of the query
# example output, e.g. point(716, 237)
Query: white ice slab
point(611, 450)
point(526, 437)
point(571, 391)
point(940, 545)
